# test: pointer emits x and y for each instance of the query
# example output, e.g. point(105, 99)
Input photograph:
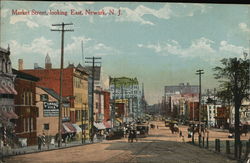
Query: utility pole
point(61, 76)
point(199, 72)
point(85, 118)
point(82, 54)
point(82, 123)
point(93, 88)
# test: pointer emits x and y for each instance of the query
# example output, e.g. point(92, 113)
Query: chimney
point(20, 64)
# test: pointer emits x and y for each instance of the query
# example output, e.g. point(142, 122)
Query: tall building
point(126, 90)
point(48, 64)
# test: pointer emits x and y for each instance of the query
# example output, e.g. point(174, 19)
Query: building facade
point(127, 89)
point(75, 89)
point(26, 109)
point(7, 93)
point(48, 114)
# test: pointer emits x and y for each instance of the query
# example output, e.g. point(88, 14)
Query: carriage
point(167, 122)
point(142, 130)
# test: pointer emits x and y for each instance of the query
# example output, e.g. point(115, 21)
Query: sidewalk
point(5, 152)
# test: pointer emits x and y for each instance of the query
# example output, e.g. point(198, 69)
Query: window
point(31, 99)
point(31, 124)
point(24, 124)
point(44, 97)
point(23, 98)
point(28, 125)
point(46, 126)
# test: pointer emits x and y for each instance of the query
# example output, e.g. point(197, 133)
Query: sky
point(159, 43)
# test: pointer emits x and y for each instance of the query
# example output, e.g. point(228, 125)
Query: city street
point(160, 146)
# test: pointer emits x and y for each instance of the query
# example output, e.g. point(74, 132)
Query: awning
point(78, 129)
point(119, 120)
point(107, 124)
point(68, 128)
point(99, 126)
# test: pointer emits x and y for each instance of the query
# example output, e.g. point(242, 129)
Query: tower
point(48, 64)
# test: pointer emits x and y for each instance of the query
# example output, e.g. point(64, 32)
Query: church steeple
point(48, 64)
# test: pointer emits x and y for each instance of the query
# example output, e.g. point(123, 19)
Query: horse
point(174, 129)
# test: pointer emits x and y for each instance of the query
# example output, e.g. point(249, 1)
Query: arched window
point(3, 70)
point(6, 67)
point(1, 63)
point(9, 67)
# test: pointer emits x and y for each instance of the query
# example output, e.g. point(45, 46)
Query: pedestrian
point(180, 133)
point(43, 139)
point(39, 142)
point(130, 139)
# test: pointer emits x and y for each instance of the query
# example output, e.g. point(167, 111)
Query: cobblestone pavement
point(160, 146)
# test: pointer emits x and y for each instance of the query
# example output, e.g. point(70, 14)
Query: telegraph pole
point(199, 72)
point(61, 76)
point(92, 98)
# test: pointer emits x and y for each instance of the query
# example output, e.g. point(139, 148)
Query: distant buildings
point(181, 89)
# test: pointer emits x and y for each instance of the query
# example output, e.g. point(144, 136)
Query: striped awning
point(119, 120)
point(99, 126)
point(68, 127)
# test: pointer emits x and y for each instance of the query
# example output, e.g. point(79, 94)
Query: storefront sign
point(50, 109)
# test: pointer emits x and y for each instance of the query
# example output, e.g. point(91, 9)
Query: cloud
point(231, 49)
point(39, 46)
point(100, 49)
point(166, 12)
point(202, 48)
point(65, 6)
point(172, 47)
point(27, 19)
point(244, 27)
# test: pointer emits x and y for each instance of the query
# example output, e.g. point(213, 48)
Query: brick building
point(25, 85)
point(193, 111)
point(75, 88)
point(106, 106)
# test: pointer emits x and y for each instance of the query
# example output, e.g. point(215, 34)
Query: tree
point(234, 78)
